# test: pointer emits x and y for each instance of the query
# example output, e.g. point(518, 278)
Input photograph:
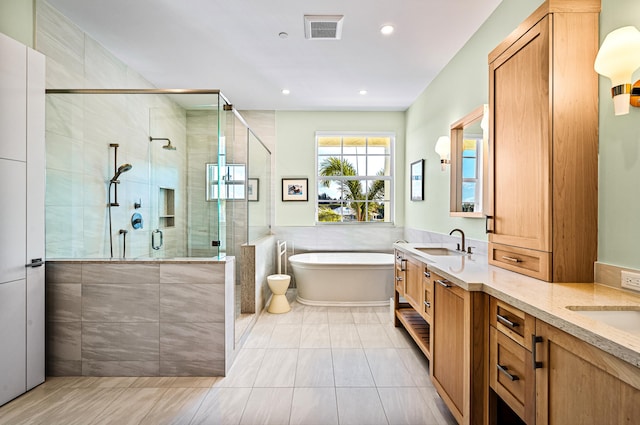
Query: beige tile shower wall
point(139, 319)
point(79, 129)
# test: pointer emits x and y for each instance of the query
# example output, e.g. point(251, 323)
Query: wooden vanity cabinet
point(511, 372)
point(409, 301)
point(543, 157)
point(578, 383)
point(458, 368)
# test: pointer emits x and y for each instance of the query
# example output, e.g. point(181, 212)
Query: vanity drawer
point(511, 374)
point(511, 321)
point(521, 260)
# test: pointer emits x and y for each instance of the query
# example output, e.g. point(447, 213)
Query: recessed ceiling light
point(283, 35)
point(363, 92)
point(386, 29)
point(286, 91)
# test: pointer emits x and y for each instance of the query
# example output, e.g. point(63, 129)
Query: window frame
point(391, 178)
point(212, 169)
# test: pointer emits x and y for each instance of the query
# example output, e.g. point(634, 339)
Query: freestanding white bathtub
point(343, 278)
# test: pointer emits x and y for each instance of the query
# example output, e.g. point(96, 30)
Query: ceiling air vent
point(323, 27)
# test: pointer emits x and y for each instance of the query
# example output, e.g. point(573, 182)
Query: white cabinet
point(22, 190)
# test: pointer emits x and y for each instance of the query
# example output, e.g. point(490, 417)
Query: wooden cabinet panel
point(449, 345)
point(521, 148)
point(542, 182)
point(581, 384)
point(413, 283)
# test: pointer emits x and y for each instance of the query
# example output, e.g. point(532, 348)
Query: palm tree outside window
point(355, 177)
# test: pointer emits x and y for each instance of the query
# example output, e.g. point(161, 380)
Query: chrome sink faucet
point(461, 247)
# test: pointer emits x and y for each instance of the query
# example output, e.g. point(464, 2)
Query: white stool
point(278, 283)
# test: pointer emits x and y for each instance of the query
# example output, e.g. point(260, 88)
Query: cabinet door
point(413, 286)
point(581, 384)
point(447, 364)
point(520, 144)
point(35, 217)
point(13, 103)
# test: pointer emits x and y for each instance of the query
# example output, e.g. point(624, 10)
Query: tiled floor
point(313, 365)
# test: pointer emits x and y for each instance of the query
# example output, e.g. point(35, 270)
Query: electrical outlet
point(631, 280)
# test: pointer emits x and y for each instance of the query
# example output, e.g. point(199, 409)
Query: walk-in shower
point(105, 133)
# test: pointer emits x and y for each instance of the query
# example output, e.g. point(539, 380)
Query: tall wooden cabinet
point(543, 165)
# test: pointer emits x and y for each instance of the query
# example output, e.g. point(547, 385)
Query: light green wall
point(619, 162)
point(295, 154)
point(461, 87)
point(17, 20)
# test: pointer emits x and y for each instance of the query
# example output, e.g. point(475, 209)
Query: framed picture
point(295, 190)
point(253, 186)
point(417, 180)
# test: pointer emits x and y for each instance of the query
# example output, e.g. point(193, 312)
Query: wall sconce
point(618, 58)
point(443, 148)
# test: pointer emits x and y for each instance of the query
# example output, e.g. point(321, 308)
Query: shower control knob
point(136, 221)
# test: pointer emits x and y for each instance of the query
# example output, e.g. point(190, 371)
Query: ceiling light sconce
point(443, 148)
point(362, 92)
point(286, 91)
point(618, 58)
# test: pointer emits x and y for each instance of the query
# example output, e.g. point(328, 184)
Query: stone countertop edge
point(544, 300)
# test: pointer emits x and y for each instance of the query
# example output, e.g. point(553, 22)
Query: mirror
point(469, 143)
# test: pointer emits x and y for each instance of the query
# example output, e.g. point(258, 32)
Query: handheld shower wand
point(118, 171)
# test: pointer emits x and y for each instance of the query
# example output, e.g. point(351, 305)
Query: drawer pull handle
point(398, 278)
point(428, 304)
point(512, 259)
point(504, 370)
point(486, 224)
point(427, 274)
point(535, 339)
point(444, 283)
point(507, 321)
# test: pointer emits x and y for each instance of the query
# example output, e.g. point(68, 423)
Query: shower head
point(121, 169)
point(168, 146)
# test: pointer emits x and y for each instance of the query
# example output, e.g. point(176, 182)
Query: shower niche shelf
point(166, 203)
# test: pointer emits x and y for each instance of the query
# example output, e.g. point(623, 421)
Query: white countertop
point(544, 300)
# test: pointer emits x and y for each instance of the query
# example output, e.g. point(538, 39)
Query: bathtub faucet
point(461, 247)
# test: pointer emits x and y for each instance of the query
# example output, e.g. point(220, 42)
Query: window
point(471, 169)
point(354, 177)
point(233, 182)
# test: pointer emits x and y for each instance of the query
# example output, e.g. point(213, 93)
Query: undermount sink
point(625, 318)
point(439, 251)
